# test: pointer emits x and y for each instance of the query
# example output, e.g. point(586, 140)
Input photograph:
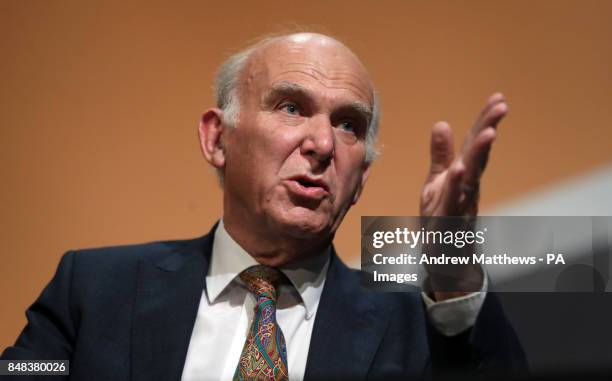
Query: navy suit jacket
point(127, 313)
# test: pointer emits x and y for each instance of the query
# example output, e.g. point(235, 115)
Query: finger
point(490, 103)
point(452, 196)
point(441, 148)
point(475, 159)
point(494, 116)
point(489, 120)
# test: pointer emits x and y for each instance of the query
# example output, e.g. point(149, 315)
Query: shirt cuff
point(453, 316)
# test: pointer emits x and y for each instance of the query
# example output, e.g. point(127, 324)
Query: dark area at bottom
point(563, 332)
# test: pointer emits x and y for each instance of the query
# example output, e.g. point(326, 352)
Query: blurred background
point(100, 100)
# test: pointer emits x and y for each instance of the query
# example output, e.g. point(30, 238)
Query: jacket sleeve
point(50, 331)
point(490, 347)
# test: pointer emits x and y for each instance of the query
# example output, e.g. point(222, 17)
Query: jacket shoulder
point(103, 268)
point(126, 254)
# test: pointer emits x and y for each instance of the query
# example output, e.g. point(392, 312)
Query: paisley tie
point(264, 356)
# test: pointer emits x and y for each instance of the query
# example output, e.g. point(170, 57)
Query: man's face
point(294, 164)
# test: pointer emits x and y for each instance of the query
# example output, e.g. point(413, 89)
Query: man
point(293, 141)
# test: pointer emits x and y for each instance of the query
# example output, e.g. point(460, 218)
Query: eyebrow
point(288, 89)
point(363, 109)
point(285, 89)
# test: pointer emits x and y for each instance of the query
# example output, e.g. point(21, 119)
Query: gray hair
point(227, 83)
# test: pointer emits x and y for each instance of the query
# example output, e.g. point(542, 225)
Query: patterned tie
point(264, 356)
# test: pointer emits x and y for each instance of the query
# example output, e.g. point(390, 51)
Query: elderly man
point(263, 295)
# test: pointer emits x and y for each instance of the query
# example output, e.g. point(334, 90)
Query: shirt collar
point(229, 259)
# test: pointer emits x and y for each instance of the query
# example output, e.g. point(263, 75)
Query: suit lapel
point(167, 300)
point(348, 328)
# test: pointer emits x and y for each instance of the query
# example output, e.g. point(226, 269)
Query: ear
point(364, 177)
point(211, 132)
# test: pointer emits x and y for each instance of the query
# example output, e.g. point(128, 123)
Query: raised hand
point(453, 184)
point(452, 189)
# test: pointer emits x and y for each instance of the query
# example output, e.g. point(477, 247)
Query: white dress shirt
point(227, 307)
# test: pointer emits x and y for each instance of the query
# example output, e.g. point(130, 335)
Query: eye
point(290, 108)
point(347, 126)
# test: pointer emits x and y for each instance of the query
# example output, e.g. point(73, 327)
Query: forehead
point(314, 61)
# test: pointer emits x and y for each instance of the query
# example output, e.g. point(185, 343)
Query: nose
point(319, 142)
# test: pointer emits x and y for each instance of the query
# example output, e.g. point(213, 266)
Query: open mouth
point(309, 187)
point(307, 182)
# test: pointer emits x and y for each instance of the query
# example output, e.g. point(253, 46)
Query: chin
point(304, 223)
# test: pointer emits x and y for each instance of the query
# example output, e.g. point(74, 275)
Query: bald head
point(312, 47)
point(315, 54)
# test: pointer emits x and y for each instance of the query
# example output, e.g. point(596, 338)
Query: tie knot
point(262, 281)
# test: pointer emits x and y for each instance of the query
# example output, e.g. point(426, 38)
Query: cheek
point(349, 169)
point(264, 148)
point(277, 142)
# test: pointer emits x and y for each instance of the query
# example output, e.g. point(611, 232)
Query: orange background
point(99, 103)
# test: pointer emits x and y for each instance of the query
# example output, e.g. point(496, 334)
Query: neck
point(272, 248)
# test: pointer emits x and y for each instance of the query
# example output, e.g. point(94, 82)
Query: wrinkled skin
point(295, 162)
